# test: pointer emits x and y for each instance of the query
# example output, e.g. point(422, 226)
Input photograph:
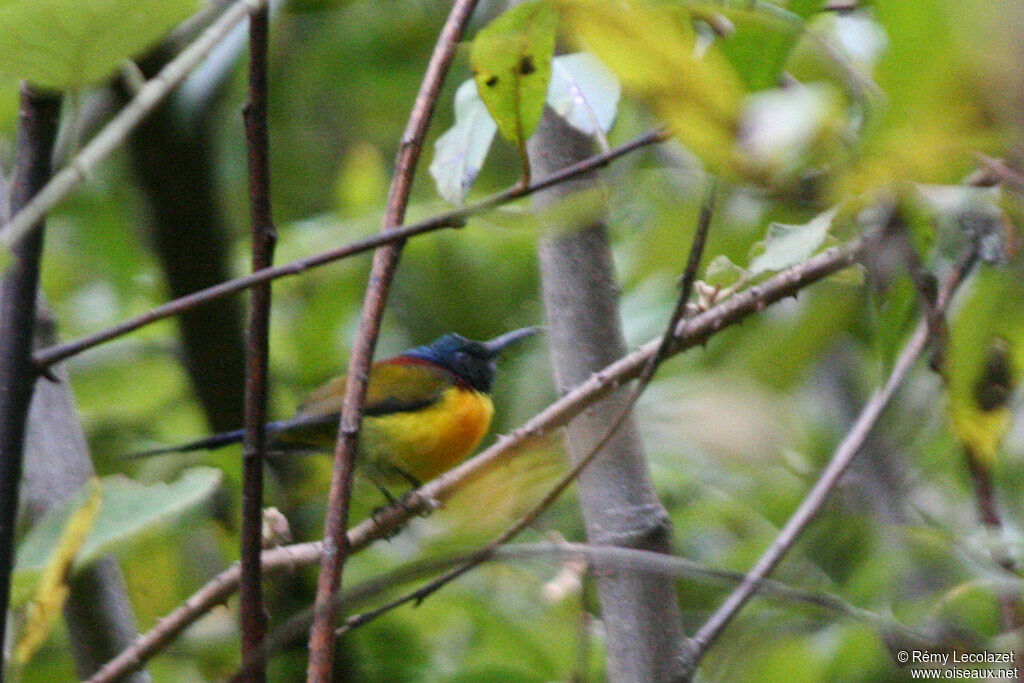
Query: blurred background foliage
point(736, 431)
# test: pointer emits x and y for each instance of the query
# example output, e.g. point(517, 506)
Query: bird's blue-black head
point(470, 361)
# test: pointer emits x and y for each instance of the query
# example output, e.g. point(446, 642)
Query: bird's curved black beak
point(499, 344)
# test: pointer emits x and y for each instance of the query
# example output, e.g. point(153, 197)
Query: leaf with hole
point(511, 60)
point(985, 357)
point(582, 91)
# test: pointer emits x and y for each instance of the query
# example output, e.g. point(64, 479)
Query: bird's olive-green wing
point(393, 388)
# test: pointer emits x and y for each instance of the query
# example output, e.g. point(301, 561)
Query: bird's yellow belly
point(424, 443)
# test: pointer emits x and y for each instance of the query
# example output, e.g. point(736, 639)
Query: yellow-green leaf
point(985, 358)
point(52, 591)
point(67, 43)
point(697, 94)
point(511, 60)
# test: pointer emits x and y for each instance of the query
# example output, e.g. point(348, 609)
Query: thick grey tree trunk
point(619, 505)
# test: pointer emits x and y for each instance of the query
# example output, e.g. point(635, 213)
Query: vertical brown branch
point(1011, 616)
point(385, 261)
point(37, 131)
point(253, 618)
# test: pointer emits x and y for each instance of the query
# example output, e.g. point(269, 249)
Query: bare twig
point(115, 132)
point(698, 330)
point(816, 497)
point(385, 261)
point(252, 616)
point(449, 219)
point(37, 132)
point(1011, 616)
point(1002, 172)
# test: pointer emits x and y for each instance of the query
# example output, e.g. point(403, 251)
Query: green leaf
point(654, 53)
point(581, 90)
point(722, 273)
point(460, 152)
point(839, 48)
point(511, 60)
point(129, 509)
point(62, 44)
point(584, 92)
point(761, 37)
point(785, 246)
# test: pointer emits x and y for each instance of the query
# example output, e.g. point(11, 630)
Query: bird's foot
point(429, 506)
point(380, 518)
point(410, 506)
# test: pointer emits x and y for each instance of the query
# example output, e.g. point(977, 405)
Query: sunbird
point(425, 411)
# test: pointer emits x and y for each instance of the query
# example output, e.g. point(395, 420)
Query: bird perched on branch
point(425, 411)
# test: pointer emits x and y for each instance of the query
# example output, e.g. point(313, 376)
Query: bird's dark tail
point(285, 428)
point(208, 443)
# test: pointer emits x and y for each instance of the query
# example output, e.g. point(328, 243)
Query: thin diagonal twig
point(449, 219)
point(385, 262)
